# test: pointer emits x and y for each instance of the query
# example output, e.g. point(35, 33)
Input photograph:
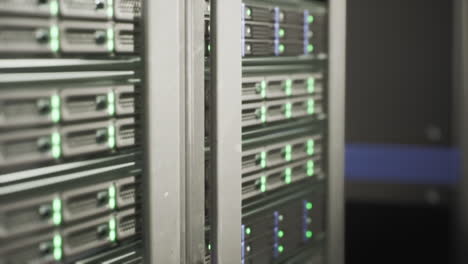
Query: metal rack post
point(163, 22)
point(226, 152)
point(337, 70)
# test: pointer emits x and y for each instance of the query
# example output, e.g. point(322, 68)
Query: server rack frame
point(175, 178)
point(226, 80)
point(173, 181)
point(174, 175)
point(194, 217)
point(164, 159)
point(337, 70)
point(226, 133)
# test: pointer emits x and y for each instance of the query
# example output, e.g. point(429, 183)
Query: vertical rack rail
point(337, 69)
point(195, 132)
point(226, 131)
point(164, 137)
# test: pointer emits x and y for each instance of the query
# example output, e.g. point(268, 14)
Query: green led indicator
point(57, 218)
point(56, 140)
point(263, 87)
point(55, 115)
point(112, 203)
point(209, 47)
point(112, 236)
point(111, 136)
point(110, 8)
point(310, 147)
point(57, 204)
point(112, 200)
point(281, 48)
point(263, 114)
point(112, 191)
point(263, 159)
point(112, 227)
point(288, 110)
point(288, 175)
point(111, 97)
point(310, 48)
point(112, 224)
point(310, 19)
point(209, 246)
point(309, 234)
point(288, 153)
point(57, 254)
point(55, 101)
point(309, 206)
point(288, 87)
point(111, 131)
point(57, 241)
point(57, 211)
point(110, 39)
point(56, 152)
point(311, 85)
point(280, 233)
point(248, 231)
point(56, 145)
point(263, 186)
point(54, 7)
point(310, 168)
point(248, 12)
point(310, 106)
point(111, 142)
point(111, 103)
point(280, 248)
point(55, 108)
point(282, 32)
point(54, 32)
point(54, 38)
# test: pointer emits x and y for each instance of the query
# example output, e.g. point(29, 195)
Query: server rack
point(165, 75)
point(70, 149)
point(271, 73)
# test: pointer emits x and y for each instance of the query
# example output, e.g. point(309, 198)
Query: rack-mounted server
point(274, 30)
point(70, 129)
point(273, 230)
point(285, 117)
point(284, 85)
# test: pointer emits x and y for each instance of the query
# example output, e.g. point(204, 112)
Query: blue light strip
point(277, 27)
point(306, 32)
point(275, 233)
point(305, 214)
point(243, 243)
point(402, 164)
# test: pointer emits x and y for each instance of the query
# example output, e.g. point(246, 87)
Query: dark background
point(401, 146)
point(399, 71)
